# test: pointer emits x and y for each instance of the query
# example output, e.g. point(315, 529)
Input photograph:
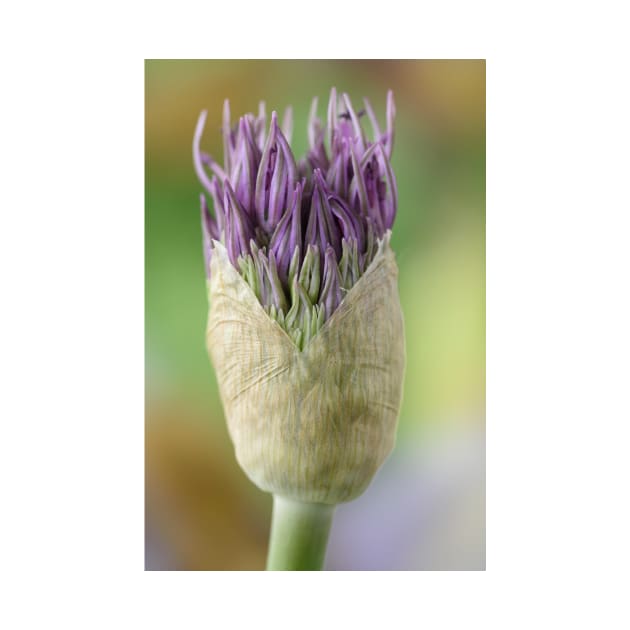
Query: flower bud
point(305, 329)
point(311, 425)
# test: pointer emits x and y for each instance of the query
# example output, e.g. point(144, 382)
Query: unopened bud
point(315, 424)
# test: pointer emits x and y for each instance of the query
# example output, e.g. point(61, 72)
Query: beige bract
point(312, 425)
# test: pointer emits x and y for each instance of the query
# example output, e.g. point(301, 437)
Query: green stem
point(299, 535)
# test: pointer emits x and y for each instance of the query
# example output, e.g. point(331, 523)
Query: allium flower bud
point(305, 329)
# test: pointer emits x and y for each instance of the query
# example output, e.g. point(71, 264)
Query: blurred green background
point(426, 507)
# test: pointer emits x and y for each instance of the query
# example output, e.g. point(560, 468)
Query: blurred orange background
point(425, 508)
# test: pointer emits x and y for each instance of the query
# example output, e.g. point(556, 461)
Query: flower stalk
point(299, 535)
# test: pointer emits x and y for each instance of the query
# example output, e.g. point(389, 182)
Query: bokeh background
point(425, 510)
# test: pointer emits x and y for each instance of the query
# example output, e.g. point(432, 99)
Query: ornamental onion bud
point(305, 329)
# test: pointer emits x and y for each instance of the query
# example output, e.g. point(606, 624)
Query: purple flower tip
point(283, 216)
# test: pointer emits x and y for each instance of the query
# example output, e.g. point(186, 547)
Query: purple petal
point(373, 121)
point(277, 194)
point(247, 157)
point(332, 118)
point(321, 229)
point(261, 124)
point(350, 226)
point(239, 229)
point(391, 115)
point(209, 231)
point(312, 122)
point(228, 144)
point(287, 123)
point(390, 201)
point(368, 155)
point(288, 235)
point(291, 169)
point(209, 224)
point(337, 177)
point(216, 191)
point(197, 157)
point(356, 124)
point(265, 171)
point(358, 193)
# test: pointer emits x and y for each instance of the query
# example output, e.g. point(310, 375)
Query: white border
point(558, 316)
